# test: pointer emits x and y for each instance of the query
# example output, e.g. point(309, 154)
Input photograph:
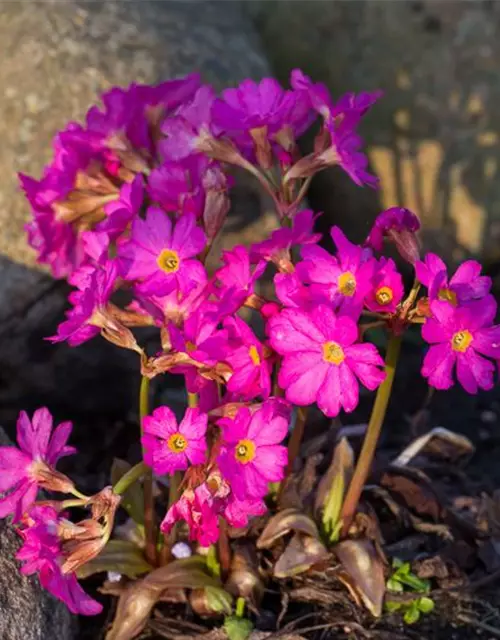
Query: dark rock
point(27, 612)
point(56, 58)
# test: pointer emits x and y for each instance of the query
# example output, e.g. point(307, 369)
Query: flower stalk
point(149, 515)
point(377, 417)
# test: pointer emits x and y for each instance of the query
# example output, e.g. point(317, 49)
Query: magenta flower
point(237, 278)
point(277, 247)
point(23, 471)
point(465, 285)
point(344, 280)
point(264, 106)
point(121, 212)
point(169, 447)
point(340, 122)
point(321, 359)
point(200, 510)
point(160, 253)
point(247, 356)
point(238, 512)
point(84, 320)
point(399, 225)
point(41, 554)
point(387, 288)
point(178, 186)
point(292, 292)
point(251, 455)
point(459, 338)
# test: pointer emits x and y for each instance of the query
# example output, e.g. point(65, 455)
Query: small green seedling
point(236, 626)
point(403, 580)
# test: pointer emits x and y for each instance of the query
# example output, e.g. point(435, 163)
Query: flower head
point(345, 279)
point(461, 339)
point(247, 357)
point(41, 553)
point(237, 278)
point(321, 360)
point(251, 455)
point(160, 252)
point(238, 512)
point(465, 285)
point(398, 225)
point(169, 447)
point(23, 471)
point(387, 288)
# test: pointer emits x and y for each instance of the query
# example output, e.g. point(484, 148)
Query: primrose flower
point(399, 225)
point(340, 122)
point(121, 212)
point(461, 339)
point(249, 360)
point(238, 512)
point(169, 447)
point(178, 186)
point(277, 247)
point(465, 285)
point(160, 253)
point(344, 280)
point(321, 360)
point(251, 455)
point(23, 471)
point(85, 320)
point(387, 288)
point(292, 292)
point(41, 553)
point(237, 278)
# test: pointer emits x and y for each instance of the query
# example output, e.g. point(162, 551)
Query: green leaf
point(425, 605)
point(392, 606)
point(120, 556)
point(213, 564)
point(237, 628)
point(412, 614)
point(393, 585)
point(416, 584)
point(132, 498)
point(219, 600)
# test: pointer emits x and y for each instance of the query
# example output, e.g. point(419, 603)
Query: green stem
point(132, 475)
point(240, 607)
point(365, 459)
point(149, 512)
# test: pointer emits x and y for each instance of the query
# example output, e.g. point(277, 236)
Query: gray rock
point(56, 58)
point(27, 612)
point(433, 137)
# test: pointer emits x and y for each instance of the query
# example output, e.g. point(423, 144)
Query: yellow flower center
point(333, 353)
point(448, 296)
point(254, 355)
point(347, 284)
point(245, 451)
point(384, 295)
point(190, 346)
point(177, 443)
point(169, 261)
point(461, 341)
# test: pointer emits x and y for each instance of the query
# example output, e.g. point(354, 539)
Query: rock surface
point(56, 59)
point(27, 612)
point(433, 137)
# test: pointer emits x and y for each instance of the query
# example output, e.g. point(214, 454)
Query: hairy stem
point(365, 459)
point(149, 508)
point(132, 475)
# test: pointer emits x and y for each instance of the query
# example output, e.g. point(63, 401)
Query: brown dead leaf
point(362, 564)
point(302, 553)
point(283, 523)
point(243, 580)
point(342, 465)
point(439, 442)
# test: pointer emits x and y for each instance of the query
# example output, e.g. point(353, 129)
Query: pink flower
point(121, 212)
point(387, 288)
point(344, 280)
point(23, 471)
point(159, 253)
point(41, 554)
point(169, 447)
point(238, 512)
point(277, 247)
point(200, 510)
point(459, 338)
point(251, 455)
point(292, 292)
point(245, 354)
point(465, 285)
point(321, 359)
point(237, 278)
point(178, 186)
point(83, 321)
point(398, 225)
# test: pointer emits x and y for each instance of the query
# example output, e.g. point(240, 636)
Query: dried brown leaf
point(439, 442)
point(283, 523)
point(243, 580)
point(361, 562)
point(302, 553)
point(342, 465)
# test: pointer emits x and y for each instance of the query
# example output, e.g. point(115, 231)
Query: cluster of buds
point(133, 201)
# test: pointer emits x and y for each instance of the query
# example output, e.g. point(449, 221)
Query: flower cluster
point(132, 202)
